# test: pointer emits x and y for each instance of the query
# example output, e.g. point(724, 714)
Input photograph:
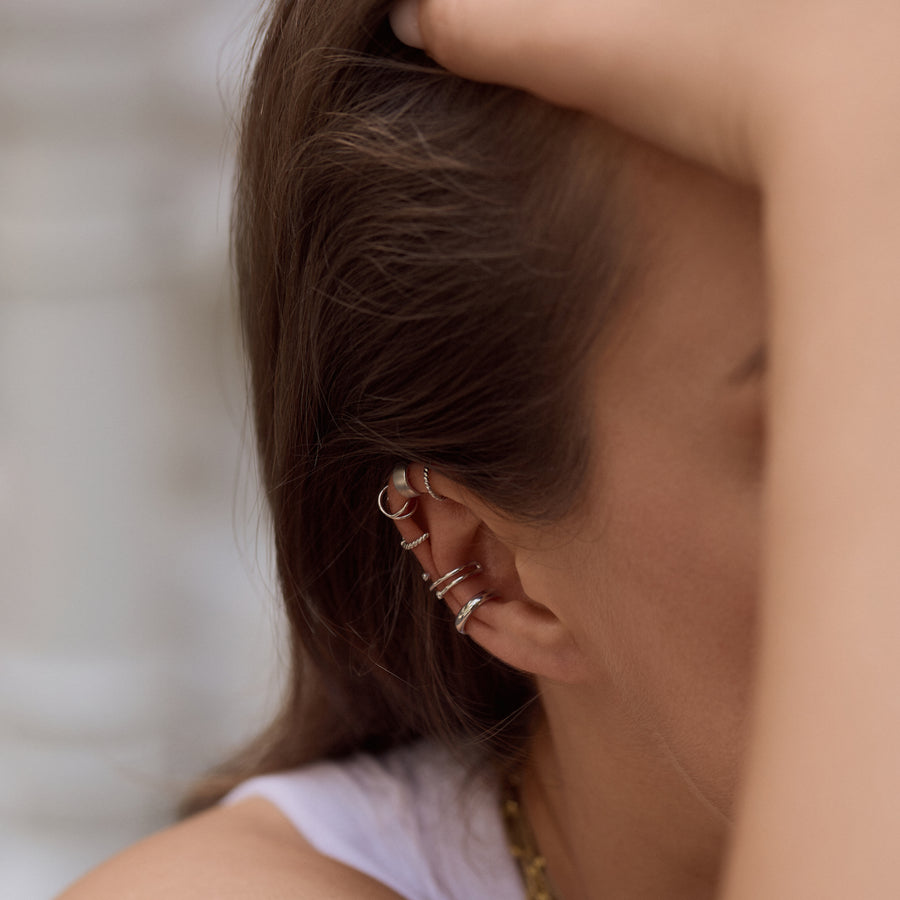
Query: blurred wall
point(136, 630)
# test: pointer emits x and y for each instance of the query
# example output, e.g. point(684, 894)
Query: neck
point(614, 813)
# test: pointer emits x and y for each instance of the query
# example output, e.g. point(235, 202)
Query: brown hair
point(423, 263)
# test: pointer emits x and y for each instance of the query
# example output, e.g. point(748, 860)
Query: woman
point(551, 359)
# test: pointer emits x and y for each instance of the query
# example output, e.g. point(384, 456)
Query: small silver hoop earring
point(426, 475)
point(443, 585)
point(401, 482)
point(404, 512)
point(468, 608)
point(411, 545)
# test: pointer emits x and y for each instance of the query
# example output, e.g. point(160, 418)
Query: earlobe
point(472, 569)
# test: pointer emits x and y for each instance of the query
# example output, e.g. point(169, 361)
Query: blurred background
point(138, 634)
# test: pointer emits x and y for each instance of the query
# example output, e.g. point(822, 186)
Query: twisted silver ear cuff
point(404, 512)
point(411, 545)
point(443, 585)
point(468, 608)
point(427, 476)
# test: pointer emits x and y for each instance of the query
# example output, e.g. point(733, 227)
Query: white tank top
point(413, 819)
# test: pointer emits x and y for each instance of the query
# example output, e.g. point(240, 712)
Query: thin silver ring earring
point(411, 545)
point(468, 608)
point(404, 512)
point(426, 475)
point(401, 482)
point(443, 585)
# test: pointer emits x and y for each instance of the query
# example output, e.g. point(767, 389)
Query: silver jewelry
point(401, 482)
point(468, 608)
point(411, 545)
point(443, 585)
point(428, 486)
point(426, 576)
point(404, 512)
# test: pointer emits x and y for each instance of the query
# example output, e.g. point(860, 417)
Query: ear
point(525, 632)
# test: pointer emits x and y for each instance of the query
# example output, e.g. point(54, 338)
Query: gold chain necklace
point(522, 843)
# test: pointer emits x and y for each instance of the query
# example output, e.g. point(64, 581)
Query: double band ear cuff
point(468, 608)
point(404, 512)
point(401, 482)
point(443, 585)
point(431, 492)
point(411, 545)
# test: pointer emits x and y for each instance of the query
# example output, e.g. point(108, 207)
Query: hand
point(728, 83)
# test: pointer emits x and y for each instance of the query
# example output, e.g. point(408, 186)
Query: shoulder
point(246, 850)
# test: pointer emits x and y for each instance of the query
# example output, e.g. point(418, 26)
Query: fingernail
point(404, 19)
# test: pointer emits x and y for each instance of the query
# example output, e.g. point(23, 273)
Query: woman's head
point(424, 265)
point(455, 275)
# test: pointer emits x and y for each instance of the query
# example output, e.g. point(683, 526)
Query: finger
point(404, 17)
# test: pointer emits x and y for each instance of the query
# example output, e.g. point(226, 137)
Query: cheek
point(680, 567)
point(681, 526)
point(675, 596)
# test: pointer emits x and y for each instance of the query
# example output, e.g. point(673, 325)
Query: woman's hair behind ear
point(423, 264)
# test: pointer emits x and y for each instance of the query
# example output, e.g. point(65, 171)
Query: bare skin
point(245, 851)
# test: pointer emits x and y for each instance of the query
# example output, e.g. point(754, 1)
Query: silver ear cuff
point(468, 608)
point(401, 482)
point(411, 545)
point(443, 585)
point(404, 512)
point(427, 476)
